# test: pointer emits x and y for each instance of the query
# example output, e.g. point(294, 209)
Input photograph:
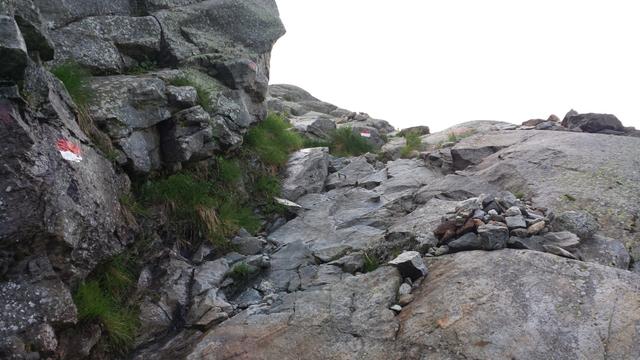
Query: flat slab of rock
point(538, 306)
point(306, 172)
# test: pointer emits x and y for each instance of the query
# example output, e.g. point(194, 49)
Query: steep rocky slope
point(486, 241)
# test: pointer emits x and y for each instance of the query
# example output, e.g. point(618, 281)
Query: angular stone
point(404, 289)
point(513, 211)
point(188, 136)
point(536, 228)
point(493, 237)
point(563, 239)
point(410, 264)
point(556, 250)
point(527, 243)
point(209, 275)
point(514, 222)
point(466, 242)
point(592, 123)
point(314, 125)
point(182, 96)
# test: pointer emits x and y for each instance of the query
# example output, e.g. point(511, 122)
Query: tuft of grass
point(75, 79)
point(345, 142)
point(413, 143)
point(272, 140)
point(204, 94)
point(104, 299)
point(309, 143)
point(568, 197)
point(267, 185)
point(370, 263)
point(228, 170)
point(453, 137)
point(241, 272)
point(200, 208)
point(519, 194)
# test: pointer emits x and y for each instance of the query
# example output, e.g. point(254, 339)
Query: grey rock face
point(62, 12)
point(103, 43)
point(410, 264)
point(209, 275)
point(565, 291)
point(306, 172)
point(580, 223)
point(305, 317)
point(13, 49)
point(514, 222)
point(358, 170)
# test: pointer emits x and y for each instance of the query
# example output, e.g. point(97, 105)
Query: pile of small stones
point(493, 222)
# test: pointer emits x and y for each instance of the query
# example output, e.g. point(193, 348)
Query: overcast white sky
point(438, 63)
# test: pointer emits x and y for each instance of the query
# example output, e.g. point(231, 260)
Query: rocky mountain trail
point(154, 205)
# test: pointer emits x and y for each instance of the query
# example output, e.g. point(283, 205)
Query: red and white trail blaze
point(69, 150)
point(365, 133)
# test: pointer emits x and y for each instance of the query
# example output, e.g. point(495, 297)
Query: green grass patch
point(241, 272)
point(370, 263)
point(568, 197)
point(200, 208)
point(345, 142)
point(76, 80)
point(413, 143)
point(228, 170)
point(272, 140)
point(309, 143)
point(105, 298)
point(453, 137)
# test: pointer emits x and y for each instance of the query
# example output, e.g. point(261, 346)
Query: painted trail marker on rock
point(365, 133)
point(69, 150)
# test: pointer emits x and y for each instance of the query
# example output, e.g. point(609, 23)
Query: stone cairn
point(493, 222)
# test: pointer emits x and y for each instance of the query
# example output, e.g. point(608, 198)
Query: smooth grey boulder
point(306, 172)
point(580, 223)
point(108, 44)
point(493, 237)
point(13, 50)
point(410, 264)
point(527, 243)
point(592, 123)
point(188, 136)
point(604, 251)
point(420, 130)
